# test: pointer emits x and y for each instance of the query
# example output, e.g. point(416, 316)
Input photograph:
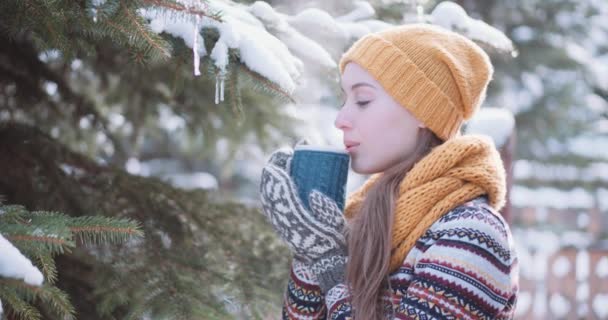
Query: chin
point(364, 170)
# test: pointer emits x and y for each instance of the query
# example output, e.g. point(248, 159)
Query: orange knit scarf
point(453, 173)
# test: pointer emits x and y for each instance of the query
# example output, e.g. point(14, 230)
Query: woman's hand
point(315, 237)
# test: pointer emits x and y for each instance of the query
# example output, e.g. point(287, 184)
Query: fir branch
point(49, 240)
point(47, 266)
point(142, 30)
point(59, 302)
point(15, 305)
point(25, 53)
point(96, 229)
point(235, 95)
point(266, 82)
point(182, 8)
point(47, 294)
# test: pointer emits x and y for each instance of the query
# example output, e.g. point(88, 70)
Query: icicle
point(217, 92)
point(197, 59)
point(222, 88)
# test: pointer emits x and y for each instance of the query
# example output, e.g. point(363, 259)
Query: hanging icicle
point(220, 79)
point(197, 59)
point(217, 91)
point(222, 87)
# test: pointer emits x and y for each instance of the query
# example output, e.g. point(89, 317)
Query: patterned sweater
point(463, 267)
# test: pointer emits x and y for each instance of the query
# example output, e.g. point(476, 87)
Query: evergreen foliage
point(203, 257)
point(40, 236)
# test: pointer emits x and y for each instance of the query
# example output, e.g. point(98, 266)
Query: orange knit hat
point(438, 75)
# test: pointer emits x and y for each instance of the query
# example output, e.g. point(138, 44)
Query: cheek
point(387, 142)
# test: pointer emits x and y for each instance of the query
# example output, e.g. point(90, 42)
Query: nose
point(341, 121)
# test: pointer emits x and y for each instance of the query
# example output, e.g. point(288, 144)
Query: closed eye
point(362, 103)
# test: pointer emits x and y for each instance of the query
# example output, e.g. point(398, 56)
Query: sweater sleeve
point(467, 269)
point(303, 298)
point(464, 267)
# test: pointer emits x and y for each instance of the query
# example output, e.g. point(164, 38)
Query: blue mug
point(322, 168)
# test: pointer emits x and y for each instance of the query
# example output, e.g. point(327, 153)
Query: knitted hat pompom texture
point(440, 76)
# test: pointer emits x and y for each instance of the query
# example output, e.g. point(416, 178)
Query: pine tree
point(555, 88)
point(203, 257)
point(91, 88)
point(41, 236)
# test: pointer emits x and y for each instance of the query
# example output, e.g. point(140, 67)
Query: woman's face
point(377, 131)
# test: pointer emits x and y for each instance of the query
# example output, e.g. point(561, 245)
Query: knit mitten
point(315, 237)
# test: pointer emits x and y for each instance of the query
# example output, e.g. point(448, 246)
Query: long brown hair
point(369, 234)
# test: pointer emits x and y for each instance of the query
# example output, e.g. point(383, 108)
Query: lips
point(350, 145)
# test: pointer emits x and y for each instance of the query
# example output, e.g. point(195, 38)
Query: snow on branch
point(278, 46)
point(13, 264)
point(498, 123)
point(452, 16)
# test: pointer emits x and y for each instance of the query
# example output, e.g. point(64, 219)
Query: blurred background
point(164, 112)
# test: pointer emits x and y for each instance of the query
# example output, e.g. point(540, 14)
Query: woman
point(422, 238)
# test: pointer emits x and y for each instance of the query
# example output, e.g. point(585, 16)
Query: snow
point(596, 66)
point(195, 47)
point(50, 88)
point(582, 311)
point(582, 292)
point(547, 172)
point(363, 10)
point(452, 16)
point(355, 30)
point(259, 50)
point(582, 265)
point(595, 102)
point(600, 305)
point(277, 46)
point(523, 33)
point(299, 44)
point(135, 167)
point(524, 301)
point(540, 303)
point(449, 15)
point(220, 54)
point(559, 305)
point(266, 13)
point(71, 170)
point(576, 238)
point(582, 220)
point(115, 120)
point(318, 23)
point(168, 120)
point(165, 239)
point(514, 98)
point(15, 265)
point(601, 268)
point(280, 67)
point(375, 25)
point(533, 83)
point(602, 199)
point(551, 197)
point(561, 266)
point(193, 180)
point(307, 48)
point(498, 123)
point(589, 146)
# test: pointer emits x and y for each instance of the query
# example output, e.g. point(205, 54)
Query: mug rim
point(320, 148)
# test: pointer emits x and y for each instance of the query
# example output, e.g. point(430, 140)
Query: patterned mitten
point(315, 237)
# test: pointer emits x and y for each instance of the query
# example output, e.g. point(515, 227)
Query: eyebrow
point(360, 84)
